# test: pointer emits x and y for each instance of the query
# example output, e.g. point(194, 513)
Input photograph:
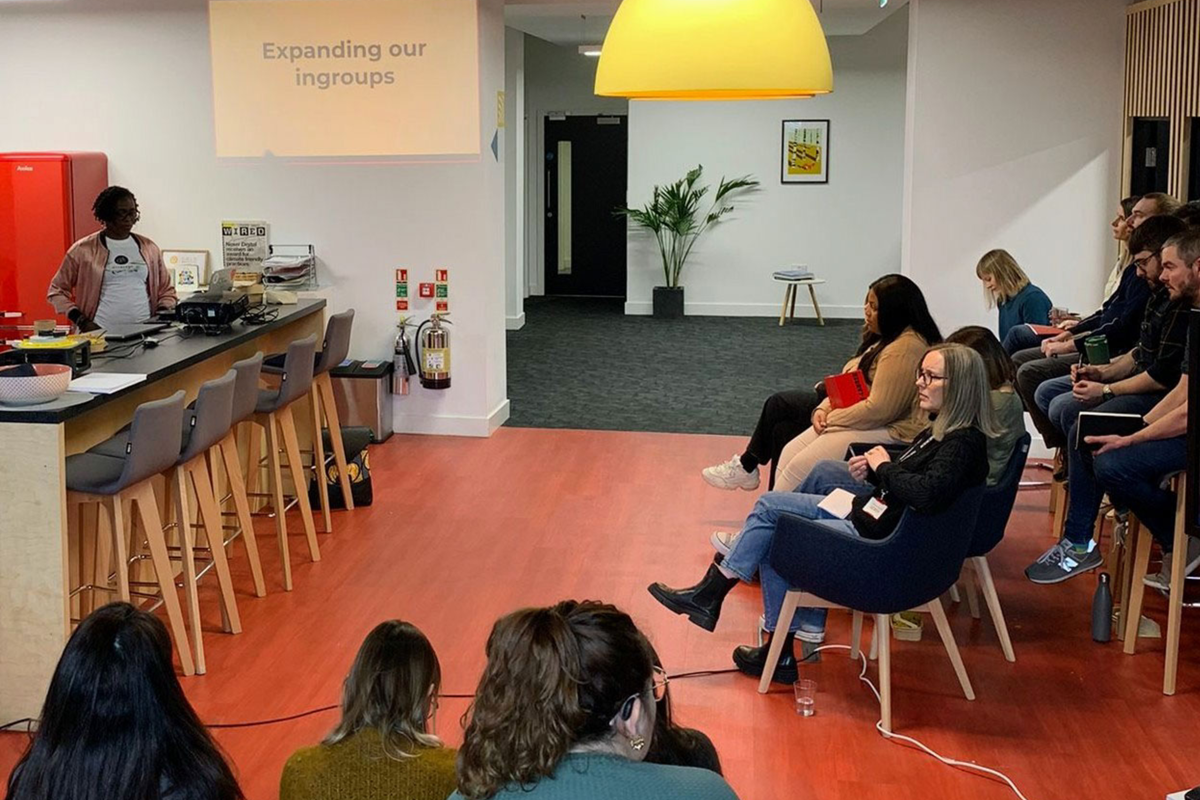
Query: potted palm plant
point(674, 216)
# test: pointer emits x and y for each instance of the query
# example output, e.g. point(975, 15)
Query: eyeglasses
point(660, 683)
point(1140, 263)
point(925, 377)
point(130, 214)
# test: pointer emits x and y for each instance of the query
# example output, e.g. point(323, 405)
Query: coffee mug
point(1096, 348)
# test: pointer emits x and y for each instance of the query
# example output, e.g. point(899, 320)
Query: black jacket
point(928, 477)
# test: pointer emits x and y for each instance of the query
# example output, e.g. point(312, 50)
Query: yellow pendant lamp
point(714, 50)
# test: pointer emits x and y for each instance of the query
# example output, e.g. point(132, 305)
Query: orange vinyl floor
point(463, 530)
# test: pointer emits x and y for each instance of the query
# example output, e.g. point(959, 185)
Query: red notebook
point(1044, 330)
point(846, 389)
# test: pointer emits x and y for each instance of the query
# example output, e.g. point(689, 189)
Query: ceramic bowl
point(50, 382)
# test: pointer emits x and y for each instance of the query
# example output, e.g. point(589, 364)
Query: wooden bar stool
point(273, 413)
point(150, 447)
point(333, 352)
point(224, 456)
point(1139, 541)
point(204, 427)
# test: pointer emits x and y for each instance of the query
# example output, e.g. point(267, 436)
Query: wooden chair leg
point(1178, 581)
point(103, 554)
point(333, 422)
point(856, 626)
point(287, 426)
point(787, 293)
point(1137, 589)
point(792, 308)
point(318, 445)
point(241, 503)
point(214, 535)
point(883, 636)
point(990, 596)
point(1123, 581)
point(120, 548)
point(816, 306)
point(943, 625)
point(89, 522)
point(147, 510)
point(187, 549)
point(968, 581)
point(953, 593)
point(276, 479)
point(790, 601)
point(873, 653)
point(1060, 510)
point(253, 457)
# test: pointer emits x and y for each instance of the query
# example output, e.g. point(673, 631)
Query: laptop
point(132, 331)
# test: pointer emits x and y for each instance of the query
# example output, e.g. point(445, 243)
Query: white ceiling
point(575, 22)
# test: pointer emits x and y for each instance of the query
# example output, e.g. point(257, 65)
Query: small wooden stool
point(789, 297)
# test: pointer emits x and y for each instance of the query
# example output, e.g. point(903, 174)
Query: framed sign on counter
point(188, 268)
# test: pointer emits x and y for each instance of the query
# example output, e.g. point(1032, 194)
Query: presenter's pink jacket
point(77, 282)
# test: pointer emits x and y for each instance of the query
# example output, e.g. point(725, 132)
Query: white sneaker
point(1162, 581)
point(722, 541)
point(731, 475)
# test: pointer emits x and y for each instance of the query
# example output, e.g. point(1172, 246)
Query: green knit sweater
point(601, 777)
point(358, 769)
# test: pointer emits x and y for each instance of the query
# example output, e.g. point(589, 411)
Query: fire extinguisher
point(402, 362)
point(434, 352)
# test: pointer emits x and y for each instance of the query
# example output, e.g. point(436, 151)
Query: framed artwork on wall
point(804, 154)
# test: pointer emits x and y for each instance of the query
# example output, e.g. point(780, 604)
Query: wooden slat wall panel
point(1162, 76)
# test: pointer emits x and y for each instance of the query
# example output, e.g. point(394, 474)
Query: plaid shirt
point(1163, 338)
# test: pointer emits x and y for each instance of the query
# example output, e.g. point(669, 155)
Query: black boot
point(752, 660)
point(702, 602)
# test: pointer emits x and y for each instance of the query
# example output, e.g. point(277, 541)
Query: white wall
point(132, 80)
point(557, 80)
point(847, 231)
point(514, 179)
point(1015, 136)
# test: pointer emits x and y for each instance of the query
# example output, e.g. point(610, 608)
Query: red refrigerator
point(45, 206)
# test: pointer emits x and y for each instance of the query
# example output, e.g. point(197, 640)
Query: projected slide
point(304, 78)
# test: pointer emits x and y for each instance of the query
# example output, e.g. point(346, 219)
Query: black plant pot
point(668, 302)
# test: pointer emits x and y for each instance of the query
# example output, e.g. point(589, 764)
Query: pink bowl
point(51, 381)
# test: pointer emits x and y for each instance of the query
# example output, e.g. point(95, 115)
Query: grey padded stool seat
point(333, 352)
point(273, 412)
point(225, 455)
point(150, 447)
point(207, 422)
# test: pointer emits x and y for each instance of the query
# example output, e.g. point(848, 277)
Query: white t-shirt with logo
point(123, 294)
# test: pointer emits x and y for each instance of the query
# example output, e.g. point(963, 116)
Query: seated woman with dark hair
point(116, 724)
point(947, 458)
point(796, 427)
point(674, 744)
point(566, 709)
point(383, 748)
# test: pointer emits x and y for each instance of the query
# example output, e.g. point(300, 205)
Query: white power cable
point(967, 765)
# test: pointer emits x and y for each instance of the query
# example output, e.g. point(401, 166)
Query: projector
point(212, 310)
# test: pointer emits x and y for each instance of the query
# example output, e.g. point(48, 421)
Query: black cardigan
point(928, 477)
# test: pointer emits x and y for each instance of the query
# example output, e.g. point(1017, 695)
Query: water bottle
point(1102, 606)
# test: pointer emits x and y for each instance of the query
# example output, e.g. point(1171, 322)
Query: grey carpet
point(581, 363)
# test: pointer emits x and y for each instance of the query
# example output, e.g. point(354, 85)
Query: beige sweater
point(892, 403)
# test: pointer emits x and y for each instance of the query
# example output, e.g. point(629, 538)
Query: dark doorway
point(586, 176)
point(1151, 157)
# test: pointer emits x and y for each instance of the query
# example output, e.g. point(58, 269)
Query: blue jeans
point(1054, 399)
point(1083, 471)
point(1020, 337)
point(749, 555)
point(1133, 477)
point(829, 475)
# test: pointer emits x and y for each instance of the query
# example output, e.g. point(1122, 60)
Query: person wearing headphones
point(113, 276)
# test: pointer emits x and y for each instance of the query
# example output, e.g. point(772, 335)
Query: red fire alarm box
point(426, 289)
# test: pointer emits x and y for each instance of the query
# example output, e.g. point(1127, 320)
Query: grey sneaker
point(1061, 562)
point(722, 541)
point(1162, 581)
point(731, 475)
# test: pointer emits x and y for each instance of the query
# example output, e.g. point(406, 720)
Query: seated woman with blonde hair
point(383, 748)
point(902, 328)
point(1008, 289)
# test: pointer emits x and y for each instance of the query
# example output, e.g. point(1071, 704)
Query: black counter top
point(177, 351)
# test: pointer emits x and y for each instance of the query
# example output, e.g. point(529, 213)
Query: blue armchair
point(910, 569)
point(994, 512)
